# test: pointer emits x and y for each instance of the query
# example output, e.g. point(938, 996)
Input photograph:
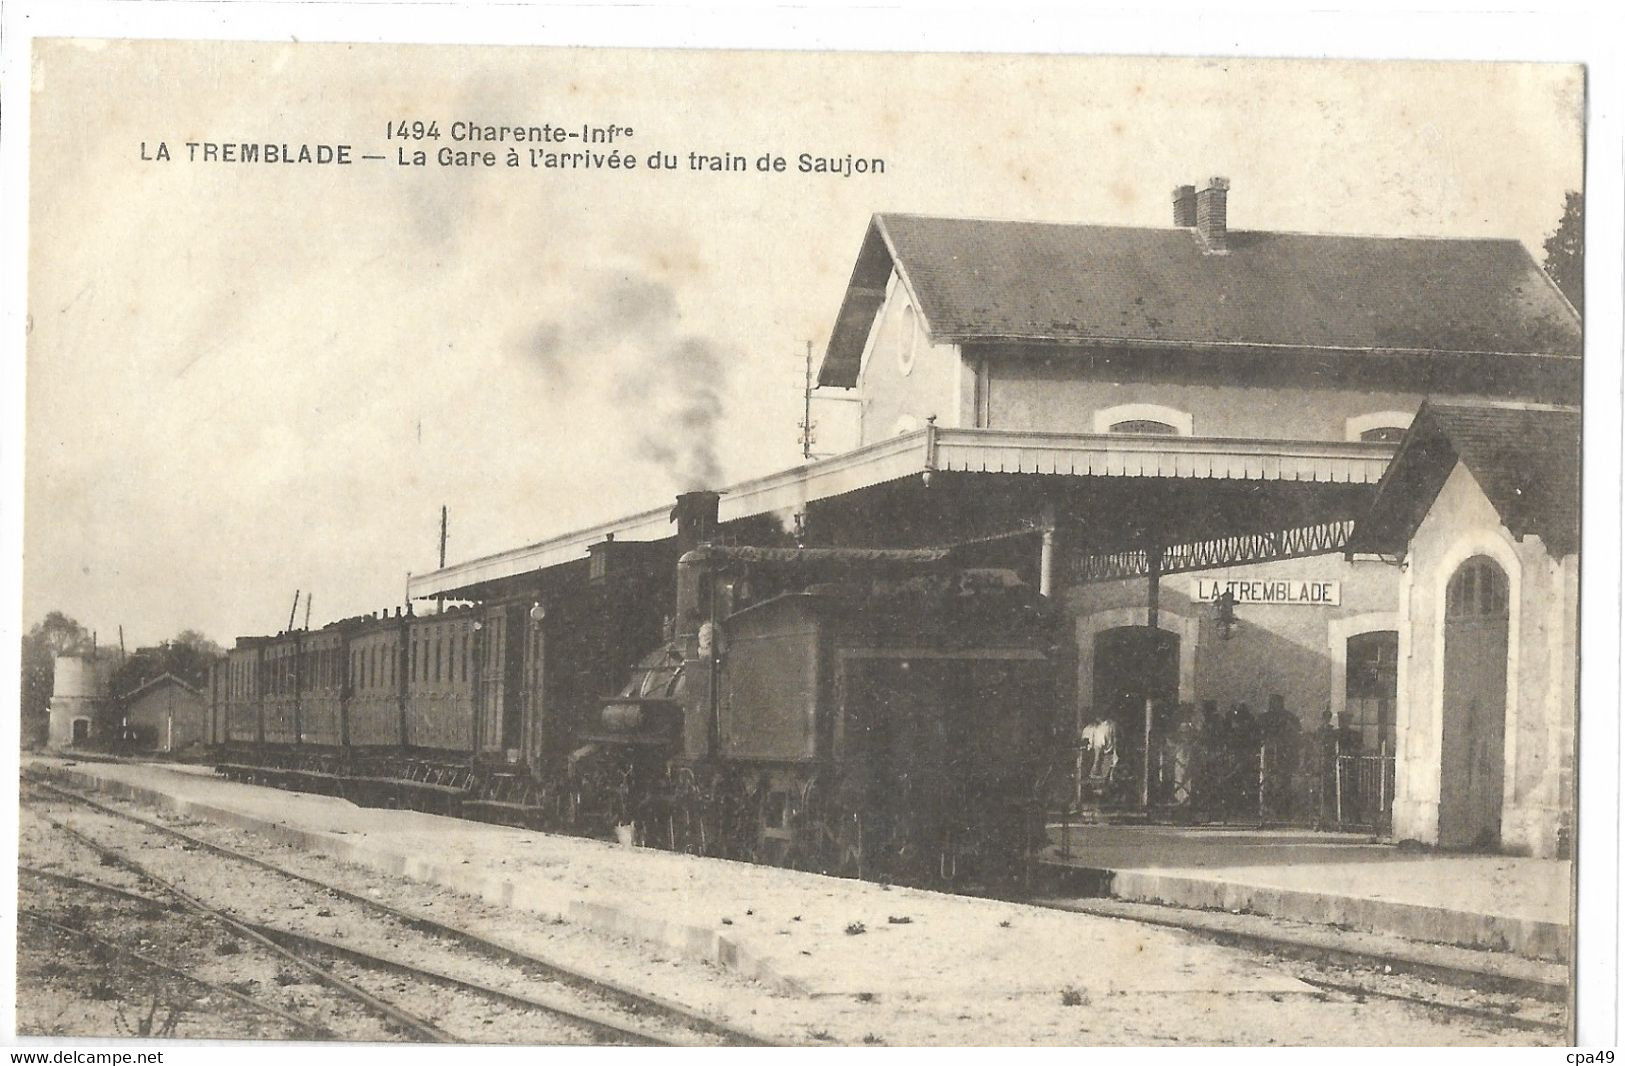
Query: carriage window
point(437, 658)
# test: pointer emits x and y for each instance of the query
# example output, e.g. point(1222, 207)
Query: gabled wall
point(905, 378)
point(173, 716)
point(1537, 798)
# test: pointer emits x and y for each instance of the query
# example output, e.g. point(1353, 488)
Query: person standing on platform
point(1279, 735)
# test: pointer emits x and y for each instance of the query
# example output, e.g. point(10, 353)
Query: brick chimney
point(1185, 205)
point(1210, 214)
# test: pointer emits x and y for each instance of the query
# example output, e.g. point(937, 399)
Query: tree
point(188, 656)
point(1566, 251)
point(56, 635)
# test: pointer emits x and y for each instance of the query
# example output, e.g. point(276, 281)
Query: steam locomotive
point(858, 711)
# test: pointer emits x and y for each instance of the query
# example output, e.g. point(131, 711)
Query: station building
point(1172, 434)
point(165, 714)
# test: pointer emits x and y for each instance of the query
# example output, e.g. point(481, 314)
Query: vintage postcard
point(561, 545)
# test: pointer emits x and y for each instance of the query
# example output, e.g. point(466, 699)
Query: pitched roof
point(155, 681)
point(984, 280)
point(1526, 459)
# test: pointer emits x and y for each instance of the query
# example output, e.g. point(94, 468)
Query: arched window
point(1145, 418)
point(1143, 425)
point(1477, 590)
point(1383, 427)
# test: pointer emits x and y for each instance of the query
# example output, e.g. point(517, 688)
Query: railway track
point(312, 947)
point(1300, 959)
point(625, 1015)
point(300, 1026)
point(1332, 981)
point(1454, 1010)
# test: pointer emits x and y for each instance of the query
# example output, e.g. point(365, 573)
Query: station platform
point(799, 934)
point(1350, 881)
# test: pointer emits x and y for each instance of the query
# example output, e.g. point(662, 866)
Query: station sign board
point(1291, 592)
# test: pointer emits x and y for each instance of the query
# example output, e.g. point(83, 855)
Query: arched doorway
point(1133, 665)
point(81, 730)
point(1474, 705)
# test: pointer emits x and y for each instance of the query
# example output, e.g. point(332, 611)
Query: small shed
point(1482, 504)
point(165, 714)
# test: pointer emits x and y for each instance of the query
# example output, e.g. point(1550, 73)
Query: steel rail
point(602, 1027)
point(495, 949)
point(605, 1026)
point(419, 1026)
point(1441, 973)
point(304, 1025)
point(627, 997)
point(1438, 973)
point(1489, 1017)
point(99, 886)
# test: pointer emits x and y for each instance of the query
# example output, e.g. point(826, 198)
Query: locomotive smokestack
point(696, 518)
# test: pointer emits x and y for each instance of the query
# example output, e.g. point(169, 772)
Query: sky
point(246, 379)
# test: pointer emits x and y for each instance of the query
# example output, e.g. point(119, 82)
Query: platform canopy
point(1114, 493)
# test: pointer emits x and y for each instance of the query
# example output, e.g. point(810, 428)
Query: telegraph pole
point(440, 601)
point(806, 406)
point(808, 427)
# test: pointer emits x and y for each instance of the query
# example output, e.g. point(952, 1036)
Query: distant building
point(165, 714)
point(78, 694)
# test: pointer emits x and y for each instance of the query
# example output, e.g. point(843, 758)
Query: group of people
point(1230, 762)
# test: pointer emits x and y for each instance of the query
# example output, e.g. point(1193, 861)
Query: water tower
point(77, 693)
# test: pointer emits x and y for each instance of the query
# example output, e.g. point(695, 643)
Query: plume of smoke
point(627, 345)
